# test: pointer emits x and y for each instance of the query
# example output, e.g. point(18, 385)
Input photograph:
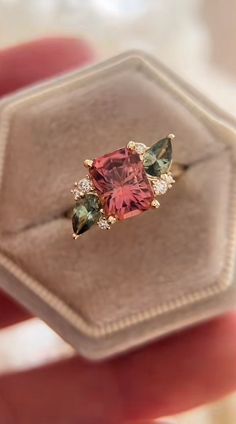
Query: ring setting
point(122, 184)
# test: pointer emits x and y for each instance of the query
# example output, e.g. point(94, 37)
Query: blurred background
point(195, 38)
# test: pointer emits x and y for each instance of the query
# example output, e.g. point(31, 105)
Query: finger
point(11, 312)
point(24, 65)
point(181, 372)
point(171, 376)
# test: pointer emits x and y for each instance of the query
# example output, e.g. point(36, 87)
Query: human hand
point(172, 375)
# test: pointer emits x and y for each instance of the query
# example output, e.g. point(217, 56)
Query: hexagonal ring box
point(149, 276)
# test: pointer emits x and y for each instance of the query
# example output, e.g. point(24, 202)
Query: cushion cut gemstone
point(122, 183)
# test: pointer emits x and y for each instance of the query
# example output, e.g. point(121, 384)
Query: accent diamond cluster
point(122, 184)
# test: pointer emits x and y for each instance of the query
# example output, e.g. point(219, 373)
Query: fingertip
point(41, 59)
point(11, 312)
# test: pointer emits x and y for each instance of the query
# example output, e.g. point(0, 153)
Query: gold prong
point(131, 145)
point(102, 210)
point(111, 219)
point(88, 163)
point(75, 236)
point(76, 183)
point(171, 136)
point(155, 203)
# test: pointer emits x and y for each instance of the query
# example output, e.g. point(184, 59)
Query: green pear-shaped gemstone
point(86, 213)
point(157, 159)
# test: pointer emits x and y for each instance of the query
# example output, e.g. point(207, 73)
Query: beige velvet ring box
point(112, 291)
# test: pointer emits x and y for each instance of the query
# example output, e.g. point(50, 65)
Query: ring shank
point(177, 170)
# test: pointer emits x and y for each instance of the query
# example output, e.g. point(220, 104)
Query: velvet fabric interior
point(143, 262)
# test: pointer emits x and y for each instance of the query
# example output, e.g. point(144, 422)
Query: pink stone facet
point(122, 183)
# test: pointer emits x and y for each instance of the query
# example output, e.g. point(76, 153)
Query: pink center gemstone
point(121, 180)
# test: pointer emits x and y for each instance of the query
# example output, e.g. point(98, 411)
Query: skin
point(173, 375)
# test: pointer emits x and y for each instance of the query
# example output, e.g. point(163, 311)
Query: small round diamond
point(140, 148)
point(131, 145)
point(77, 194)
point(85, 185)
point(160, 186)
point(104, 224)
point(168, 178)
